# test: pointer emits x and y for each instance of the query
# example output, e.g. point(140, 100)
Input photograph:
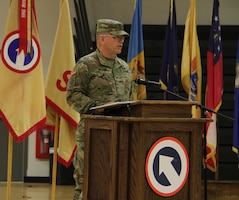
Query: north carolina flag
point(169, 69)
point(61, 63)
point(22, 106)
point(235, 147)
point(135, 57)
point(191, 70)
point(214, 88)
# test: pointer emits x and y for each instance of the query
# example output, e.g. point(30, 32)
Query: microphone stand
point(204, 110)
point(202, 107)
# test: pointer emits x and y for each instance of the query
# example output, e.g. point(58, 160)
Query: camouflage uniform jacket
point(96, 80)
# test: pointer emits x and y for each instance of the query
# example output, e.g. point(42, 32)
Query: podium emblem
point(167, 166)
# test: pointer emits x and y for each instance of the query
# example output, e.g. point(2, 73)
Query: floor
point(42, 191)
point(36, 191)
point(226, 190)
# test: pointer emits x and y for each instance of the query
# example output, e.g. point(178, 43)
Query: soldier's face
point(114, 43)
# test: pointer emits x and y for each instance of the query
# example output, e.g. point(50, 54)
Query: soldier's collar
point(106, 62)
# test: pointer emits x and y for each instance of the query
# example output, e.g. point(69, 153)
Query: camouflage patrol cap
point(111, 26)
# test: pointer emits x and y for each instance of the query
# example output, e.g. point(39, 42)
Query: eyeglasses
point(120, 37)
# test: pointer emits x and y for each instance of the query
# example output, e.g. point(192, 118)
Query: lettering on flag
point(59, 71)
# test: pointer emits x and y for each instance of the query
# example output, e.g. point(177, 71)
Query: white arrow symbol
point(166, 167)
point(20, 59)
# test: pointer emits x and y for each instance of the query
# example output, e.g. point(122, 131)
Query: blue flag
point(236, 108)
point(169, 68)
point(136, 50)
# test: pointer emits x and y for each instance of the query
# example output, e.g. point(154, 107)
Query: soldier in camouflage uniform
point(98, 78)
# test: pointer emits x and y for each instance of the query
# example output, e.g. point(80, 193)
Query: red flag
point(61, 63)
point(214, 88)
point(22, 105)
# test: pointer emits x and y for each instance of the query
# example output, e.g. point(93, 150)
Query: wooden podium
point(117, 150)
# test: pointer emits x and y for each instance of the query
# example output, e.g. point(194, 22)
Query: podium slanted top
point(148, 108)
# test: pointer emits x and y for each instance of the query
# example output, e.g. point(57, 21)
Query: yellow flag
point(22, 102)
point(191, 69)
point(61, 63)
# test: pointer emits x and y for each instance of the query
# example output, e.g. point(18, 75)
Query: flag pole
point(54, 167)
point(9, 171)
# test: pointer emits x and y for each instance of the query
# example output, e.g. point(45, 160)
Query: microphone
point(140, 81)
